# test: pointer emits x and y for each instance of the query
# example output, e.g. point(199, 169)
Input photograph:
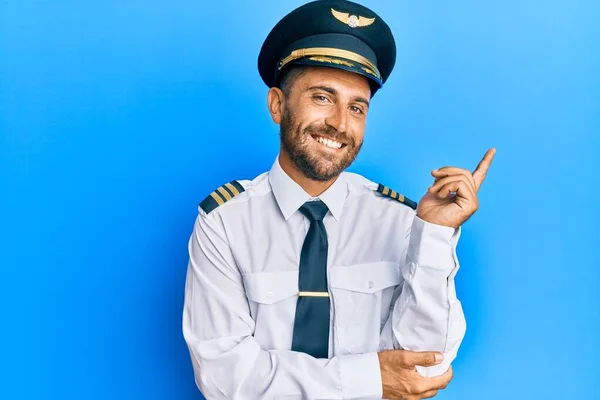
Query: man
point(313, 283)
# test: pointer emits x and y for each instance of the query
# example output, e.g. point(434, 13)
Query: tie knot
point(314, 210)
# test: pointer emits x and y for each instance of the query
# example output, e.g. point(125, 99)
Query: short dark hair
point(289, 76)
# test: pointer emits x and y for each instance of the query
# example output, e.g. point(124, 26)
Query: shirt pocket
point(362, 295)
point(271, 287)
point(272, 298)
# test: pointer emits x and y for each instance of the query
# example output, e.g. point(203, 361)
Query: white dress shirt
point(391, 286)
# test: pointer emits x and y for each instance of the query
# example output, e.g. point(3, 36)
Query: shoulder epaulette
point(220, 196)
point(387, 192)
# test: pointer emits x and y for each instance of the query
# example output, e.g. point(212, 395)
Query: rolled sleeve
point(428, 316)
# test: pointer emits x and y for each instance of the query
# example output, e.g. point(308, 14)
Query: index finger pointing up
point(483, 166)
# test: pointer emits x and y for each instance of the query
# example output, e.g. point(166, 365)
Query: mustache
point(330, 132)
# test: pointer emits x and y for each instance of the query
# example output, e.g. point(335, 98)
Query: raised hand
point(452, 199)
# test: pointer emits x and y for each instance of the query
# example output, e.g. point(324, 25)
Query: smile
point(332, 144)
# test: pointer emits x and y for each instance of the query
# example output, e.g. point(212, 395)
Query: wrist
point(387, 381)
point(431, 219)
point(432, 244)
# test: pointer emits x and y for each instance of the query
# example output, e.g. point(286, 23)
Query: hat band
point(328, 51)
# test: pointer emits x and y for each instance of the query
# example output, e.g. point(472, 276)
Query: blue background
point(118, 117)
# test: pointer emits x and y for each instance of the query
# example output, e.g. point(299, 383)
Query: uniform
point(391, 282)
point(291, 297)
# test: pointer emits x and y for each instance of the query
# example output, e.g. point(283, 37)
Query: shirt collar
point(290, 196)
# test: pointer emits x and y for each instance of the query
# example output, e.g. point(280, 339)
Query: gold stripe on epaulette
point(392, 194)
point(232, 188)
point(217, 198)
point(224, 193)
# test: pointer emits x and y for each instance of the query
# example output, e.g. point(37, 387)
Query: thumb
point(411, 359)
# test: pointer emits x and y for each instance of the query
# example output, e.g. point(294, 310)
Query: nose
point(337, 118)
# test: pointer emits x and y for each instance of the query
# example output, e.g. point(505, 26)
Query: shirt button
point(370, 284)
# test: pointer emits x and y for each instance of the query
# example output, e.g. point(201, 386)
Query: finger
point(449, 171)
point(459, 172)
point(482, 168)
point(459, 187)
point(449, 179)
point(435, 383)
point(460, 194)
point(464, 193)
point(410, 359)
point(435, 188)
point(429, 394)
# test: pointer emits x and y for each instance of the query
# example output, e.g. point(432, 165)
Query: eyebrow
point(334, 92)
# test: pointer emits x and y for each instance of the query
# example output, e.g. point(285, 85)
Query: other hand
point(400, 379)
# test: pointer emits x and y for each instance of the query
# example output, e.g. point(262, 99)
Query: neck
point(310, 186)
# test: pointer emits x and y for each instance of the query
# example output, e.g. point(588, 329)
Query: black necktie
point(311, 323)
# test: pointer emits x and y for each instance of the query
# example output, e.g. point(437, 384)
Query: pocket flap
point(366, 278)
point(271, 287)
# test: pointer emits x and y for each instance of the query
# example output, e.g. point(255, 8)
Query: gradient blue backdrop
point(118, 117)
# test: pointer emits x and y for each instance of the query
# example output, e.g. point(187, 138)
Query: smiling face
point(322, 117)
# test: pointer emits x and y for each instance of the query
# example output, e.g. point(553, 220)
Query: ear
point(275, 102)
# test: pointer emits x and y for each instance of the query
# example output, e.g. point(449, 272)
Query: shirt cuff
point(432, 245)
point(433, 371)
point(360, 376)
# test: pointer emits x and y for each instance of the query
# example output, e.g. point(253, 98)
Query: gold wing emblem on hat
point(352, 21)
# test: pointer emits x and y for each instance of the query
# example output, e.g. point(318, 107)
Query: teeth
point(329, 143)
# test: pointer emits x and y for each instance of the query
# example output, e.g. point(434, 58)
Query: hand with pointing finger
point(452, 199)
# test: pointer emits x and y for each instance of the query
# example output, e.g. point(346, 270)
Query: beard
point(318, 166)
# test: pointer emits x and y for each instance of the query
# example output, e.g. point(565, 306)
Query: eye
point(356, 110)
point(320, 98)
